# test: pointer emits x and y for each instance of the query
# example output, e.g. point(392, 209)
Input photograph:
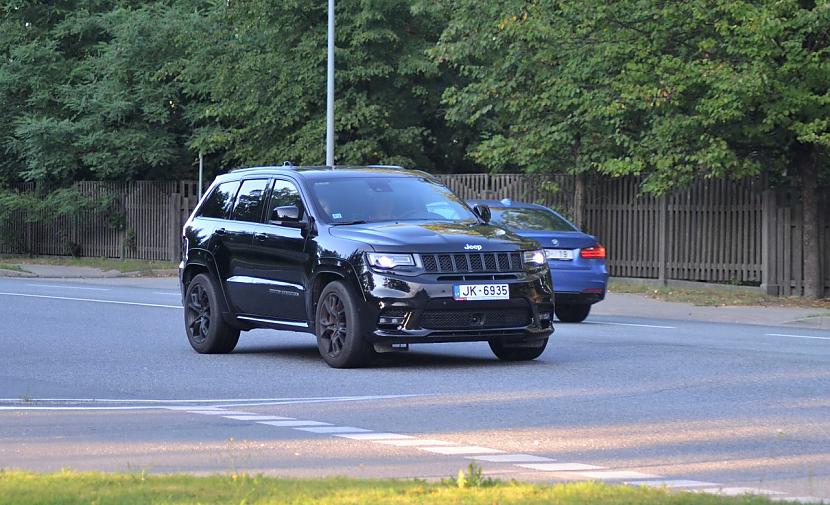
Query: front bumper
point(421, 309)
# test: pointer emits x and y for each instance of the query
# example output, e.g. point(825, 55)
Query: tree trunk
point(808, 168)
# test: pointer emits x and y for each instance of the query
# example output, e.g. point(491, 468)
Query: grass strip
point(714, 297)
point(69, 488)
point(120, 265)
point(9, 266)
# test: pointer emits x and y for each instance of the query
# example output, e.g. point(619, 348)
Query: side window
point(249, 201)
point(220, 202)
point(283, 194)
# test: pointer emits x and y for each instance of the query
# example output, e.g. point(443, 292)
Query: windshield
point(375, 199)
point(529, 219)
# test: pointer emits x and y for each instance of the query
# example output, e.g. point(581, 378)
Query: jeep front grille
point(472, 262)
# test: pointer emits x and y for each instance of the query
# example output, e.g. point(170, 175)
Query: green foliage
point(673, 90)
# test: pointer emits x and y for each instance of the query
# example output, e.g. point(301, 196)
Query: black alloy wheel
point(206, 331)
point(338, 329)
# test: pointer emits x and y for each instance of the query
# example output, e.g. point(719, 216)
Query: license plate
point(465, 292)
point(559, 254)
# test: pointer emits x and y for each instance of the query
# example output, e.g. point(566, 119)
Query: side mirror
point(286, 213)
point(482, 211)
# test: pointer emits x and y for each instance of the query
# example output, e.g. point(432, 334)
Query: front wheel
point(206, 331)
point(575, 313)
point(517, 353)
point(339, 333)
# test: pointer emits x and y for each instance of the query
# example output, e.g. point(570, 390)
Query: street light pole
point(330, 91)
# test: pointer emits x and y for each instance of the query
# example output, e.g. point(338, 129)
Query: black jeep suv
point(369, 259)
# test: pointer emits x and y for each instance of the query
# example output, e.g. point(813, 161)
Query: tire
point(337, 326)
point(517, 353)
point(575, 313)
point(206, 331)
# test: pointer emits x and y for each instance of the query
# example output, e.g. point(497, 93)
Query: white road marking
point(617, 475)
point(374, 436)
point(461, 450)
point(560, 467)
point(258, 418)
point(334, 429)
point(672, 483)
point(512, 458)
point(67, 287)
point(112, 302)
point(292, 424)
point(635, 325)
point(217, 412)
point(414, 443)
point(795, 336)
point(737, 491)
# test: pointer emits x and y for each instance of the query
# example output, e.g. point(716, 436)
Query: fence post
point(173, 219)
point(768, 249)
point(663, 239)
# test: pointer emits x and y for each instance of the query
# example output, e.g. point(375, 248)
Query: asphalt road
point(99, 376)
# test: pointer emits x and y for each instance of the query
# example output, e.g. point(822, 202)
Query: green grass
point(713, 296)
point(68, 488)
point(126, 265)
point(8, 266)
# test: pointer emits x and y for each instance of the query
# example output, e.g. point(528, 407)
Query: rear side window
point(220, 202)
point(249, 201)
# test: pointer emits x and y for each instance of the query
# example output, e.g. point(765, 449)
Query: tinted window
point(373, 199)
point(250, 200)
point(529, 219)
point(284, 194)
point(220, 201)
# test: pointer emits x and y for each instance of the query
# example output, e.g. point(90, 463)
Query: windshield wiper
point(344, 223)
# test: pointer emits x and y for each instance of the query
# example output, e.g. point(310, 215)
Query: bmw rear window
point(529, 219)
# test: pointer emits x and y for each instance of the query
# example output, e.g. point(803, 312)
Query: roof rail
point(286, 165)
point(397, 167)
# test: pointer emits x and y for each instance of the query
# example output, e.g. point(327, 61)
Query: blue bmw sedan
point(576, 259)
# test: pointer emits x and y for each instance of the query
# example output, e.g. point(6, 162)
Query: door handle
point(260, 236)
point(221, 231)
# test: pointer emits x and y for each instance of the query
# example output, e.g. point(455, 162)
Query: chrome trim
point(244, 279)
point(273, 321)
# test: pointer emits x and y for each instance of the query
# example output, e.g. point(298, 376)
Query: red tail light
point(593, 253)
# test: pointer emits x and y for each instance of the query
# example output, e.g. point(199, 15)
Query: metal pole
point(330, 91)
point(201, 166)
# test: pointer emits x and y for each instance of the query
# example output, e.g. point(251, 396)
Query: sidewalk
point(615, 304)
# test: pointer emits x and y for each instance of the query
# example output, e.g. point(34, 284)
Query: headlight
point(385, 260)
point(535, 258)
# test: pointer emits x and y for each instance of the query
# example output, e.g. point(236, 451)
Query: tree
point(671, 90)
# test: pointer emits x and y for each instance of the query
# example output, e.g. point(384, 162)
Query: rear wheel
point(507, 353)
point(339, 333)
point(572, 313)
point(206, 331)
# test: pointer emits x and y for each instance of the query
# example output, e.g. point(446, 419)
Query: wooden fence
point(714, 231)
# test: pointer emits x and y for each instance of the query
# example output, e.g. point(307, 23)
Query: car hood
point(561, 239)
point(434, 237)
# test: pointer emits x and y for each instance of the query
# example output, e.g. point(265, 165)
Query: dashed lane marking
point(512, 458)
point(292, 424)
point(414, 442)
point(796, 336)
point(461, 450)
point(560, 467)
point(334, 429)
point(616, 475)
point(217, 412)
point(634, 325)
point(373, 436)
point(58, 286)
point(258, 418)
point(672, 483)
point(93, 300)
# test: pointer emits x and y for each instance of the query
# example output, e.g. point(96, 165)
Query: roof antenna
point(287, 164)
